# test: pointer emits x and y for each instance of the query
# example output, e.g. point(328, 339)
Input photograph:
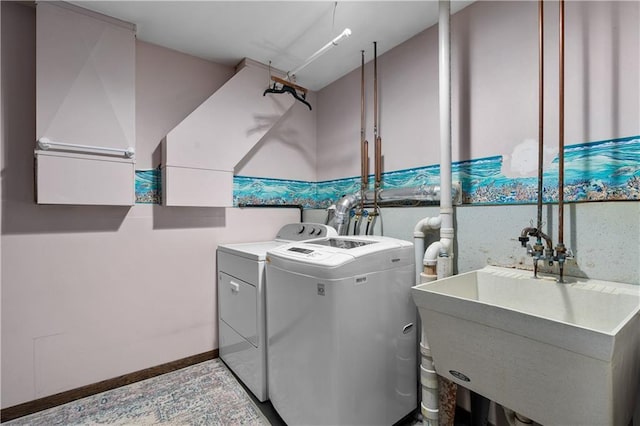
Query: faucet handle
point(523, 240)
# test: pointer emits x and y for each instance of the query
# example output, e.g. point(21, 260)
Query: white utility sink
point(560, 354)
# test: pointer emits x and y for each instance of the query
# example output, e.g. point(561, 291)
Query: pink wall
point(494, 88)
point(290, 143)
point(169, 85)
point(90, 293)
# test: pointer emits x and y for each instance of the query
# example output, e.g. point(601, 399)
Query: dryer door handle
point(235, 287)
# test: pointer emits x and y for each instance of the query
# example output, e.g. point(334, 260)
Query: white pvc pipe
point(431, 254)
point(426, 224)
point(429, 405)
point(444, 49)
point(439, 253)
point(418, 249)
point(322, 50)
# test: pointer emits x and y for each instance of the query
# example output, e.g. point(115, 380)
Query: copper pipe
point(561, 135)
point(366, 163)
point(540, 108)
point(377, 139)
point(378, 161)
point(560, 248)
point(364, 156)
point(375, 90)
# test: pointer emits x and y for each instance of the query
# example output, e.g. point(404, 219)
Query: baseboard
point(51, 401)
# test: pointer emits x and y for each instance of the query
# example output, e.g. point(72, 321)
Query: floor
point(462, 417)
point(203, 394)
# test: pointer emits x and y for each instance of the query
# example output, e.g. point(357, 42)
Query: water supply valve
point(538, 250)
point(561, 253)
point(548, 254)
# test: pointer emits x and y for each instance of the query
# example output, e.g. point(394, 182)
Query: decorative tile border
point(595, 171)
point(604, 170)
point(148, 186)
point(255, 190)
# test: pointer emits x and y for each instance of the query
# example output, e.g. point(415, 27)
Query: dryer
point(241, 303)
point(341, 329)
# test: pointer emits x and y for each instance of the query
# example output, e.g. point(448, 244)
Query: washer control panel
point(304, 231)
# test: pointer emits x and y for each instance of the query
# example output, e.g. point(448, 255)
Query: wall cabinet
point(85, 93)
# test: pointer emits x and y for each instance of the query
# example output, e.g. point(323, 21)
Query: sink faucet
point(538, 251)
point(560, 254)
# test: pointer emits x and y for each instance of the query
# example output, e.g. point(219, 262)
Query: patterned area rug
point(202, 394)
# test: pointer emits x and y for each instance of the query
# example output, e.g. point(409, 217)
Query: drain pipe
point(428, 376)
point(437, 259)
point(446, 204)
point(440, 253)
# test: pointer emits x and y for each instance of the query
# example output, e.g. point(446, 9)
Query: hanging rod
point(46, 143)
point(323, 49)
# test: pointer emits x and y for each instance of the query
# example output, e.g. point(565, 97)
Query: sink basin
point(564, 354)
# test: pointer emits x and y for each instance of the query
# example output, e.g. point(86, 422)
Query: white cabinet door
point(85, 93)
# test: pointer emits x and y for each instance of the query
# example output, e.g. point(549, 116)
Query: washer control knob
point(300, 229)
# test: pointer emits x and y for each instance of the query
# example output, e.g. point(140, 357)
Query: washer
point(241, 303)
point(340, 324)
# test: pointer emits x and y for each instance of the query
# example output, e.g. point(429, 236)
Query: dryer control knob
point(300, 229)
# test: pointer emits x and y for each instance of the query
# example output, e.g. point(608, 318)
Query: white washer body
point(342, 333)
point(241, 303)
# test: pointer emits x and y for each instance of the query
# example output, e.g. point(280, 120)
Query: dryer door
point(238, 306)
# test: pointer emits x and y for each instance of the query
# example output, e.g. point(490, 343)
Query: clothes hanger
point(288, 87)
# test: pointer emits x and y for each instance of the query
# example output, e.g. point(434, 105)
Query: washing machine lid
point(332, 252)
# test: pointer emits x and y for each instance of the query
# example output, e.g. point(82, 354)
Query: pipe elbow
point(529, 231)
point(431, 254)
point(547, 239)
point(342, 209)
point(428, 223)
point(343, 206)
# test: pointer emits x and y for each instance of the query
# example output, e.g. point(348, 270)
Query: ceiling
point(285, 33)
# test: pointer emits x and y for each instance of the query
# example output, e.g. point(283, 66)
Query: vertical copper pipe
point(378, 140)
point(561, 135)
point(378, 161)
point(375, 90)
point(366, 163)
point(540, 108)
point(364, 156)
